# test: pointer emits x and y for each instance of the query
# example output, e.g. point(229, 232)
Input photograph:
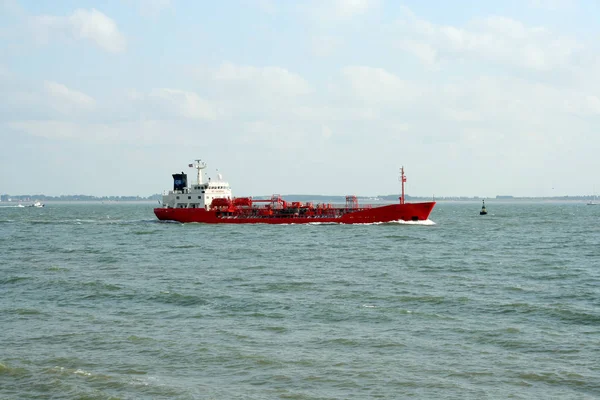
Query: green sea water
point(102, 301)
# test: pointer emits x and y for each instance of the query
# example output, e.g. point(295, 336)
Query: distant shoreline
point(4, 199)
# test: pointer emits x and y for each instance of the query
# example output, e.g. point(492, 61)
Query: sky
point(472, 97)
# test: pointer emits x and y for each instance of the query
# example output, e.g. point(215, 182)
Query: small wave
point(285, 287)
point(343, 341)
point(141, 382)
point(68, 371)
point(139, 339)
point(269, 315)
point(567, 315)
point(130, 221)
point(179, 299)
point(426, 222)
point(14, 279)
point(405, 237)
point(423, 299)
point(27, 311)
point(12, 371)
point(276, 329)
point(101, 285)
point(57, 269)
point(469, 374)
point(107, 260)
point(80, 221)
point(554, 378)
point(577, 316)
point(82, 372)
point(88, 221)
point(131, 371)
point(113, 381)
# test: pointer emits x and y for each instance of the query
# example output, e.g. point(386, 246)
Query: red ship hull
point(365, 215)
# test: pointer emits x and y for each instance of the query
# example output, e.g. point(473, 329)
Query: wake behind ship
point(212, 202)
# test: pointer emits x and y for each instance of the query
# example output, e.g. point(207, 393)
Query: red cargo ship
point(212, 202)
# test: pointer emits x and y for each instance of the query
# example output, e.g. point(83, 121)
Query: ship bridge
point(198, 195)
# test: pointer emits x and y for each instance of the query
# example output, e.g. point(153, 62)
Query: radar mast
point(199, 165)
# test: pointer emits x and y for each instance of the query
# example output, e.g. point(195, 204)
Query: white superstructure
point(199, 195)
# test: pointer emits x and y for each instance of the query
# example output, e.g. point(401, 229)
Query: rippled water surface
point(101, 301)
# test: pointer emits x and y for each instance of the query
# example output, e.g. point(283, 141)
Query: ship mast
point(199, 165)
point(402, 179)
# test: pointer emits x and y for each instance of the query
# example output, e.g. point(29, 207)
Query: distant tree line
point(75, 197)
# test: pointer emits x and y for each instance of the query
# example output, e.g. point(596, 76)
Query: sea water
point(102, 301)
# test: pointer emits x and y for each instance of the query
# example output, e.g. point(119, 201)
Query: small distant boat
point(483, 210)
point(37, 204)
point(592, 202)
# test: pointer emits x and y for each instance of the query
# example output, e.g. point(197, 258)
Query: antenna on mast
point(402, 179)
point(199, 165)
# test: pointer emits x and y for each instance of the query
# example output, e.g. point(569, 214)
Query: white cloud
point(253, 92)
point(64, 98)
point(137, 132)
point(99, 28)
point(90, 25)
point(269, 80)
point(185, 104)
point(376, 86)
point(173, 103)
point(425, 52)
point(42, 100)
point(47, 129)
point(494, 39)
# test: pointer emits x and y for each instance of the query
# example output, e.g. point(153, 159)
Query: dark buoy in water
point(483, 210)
